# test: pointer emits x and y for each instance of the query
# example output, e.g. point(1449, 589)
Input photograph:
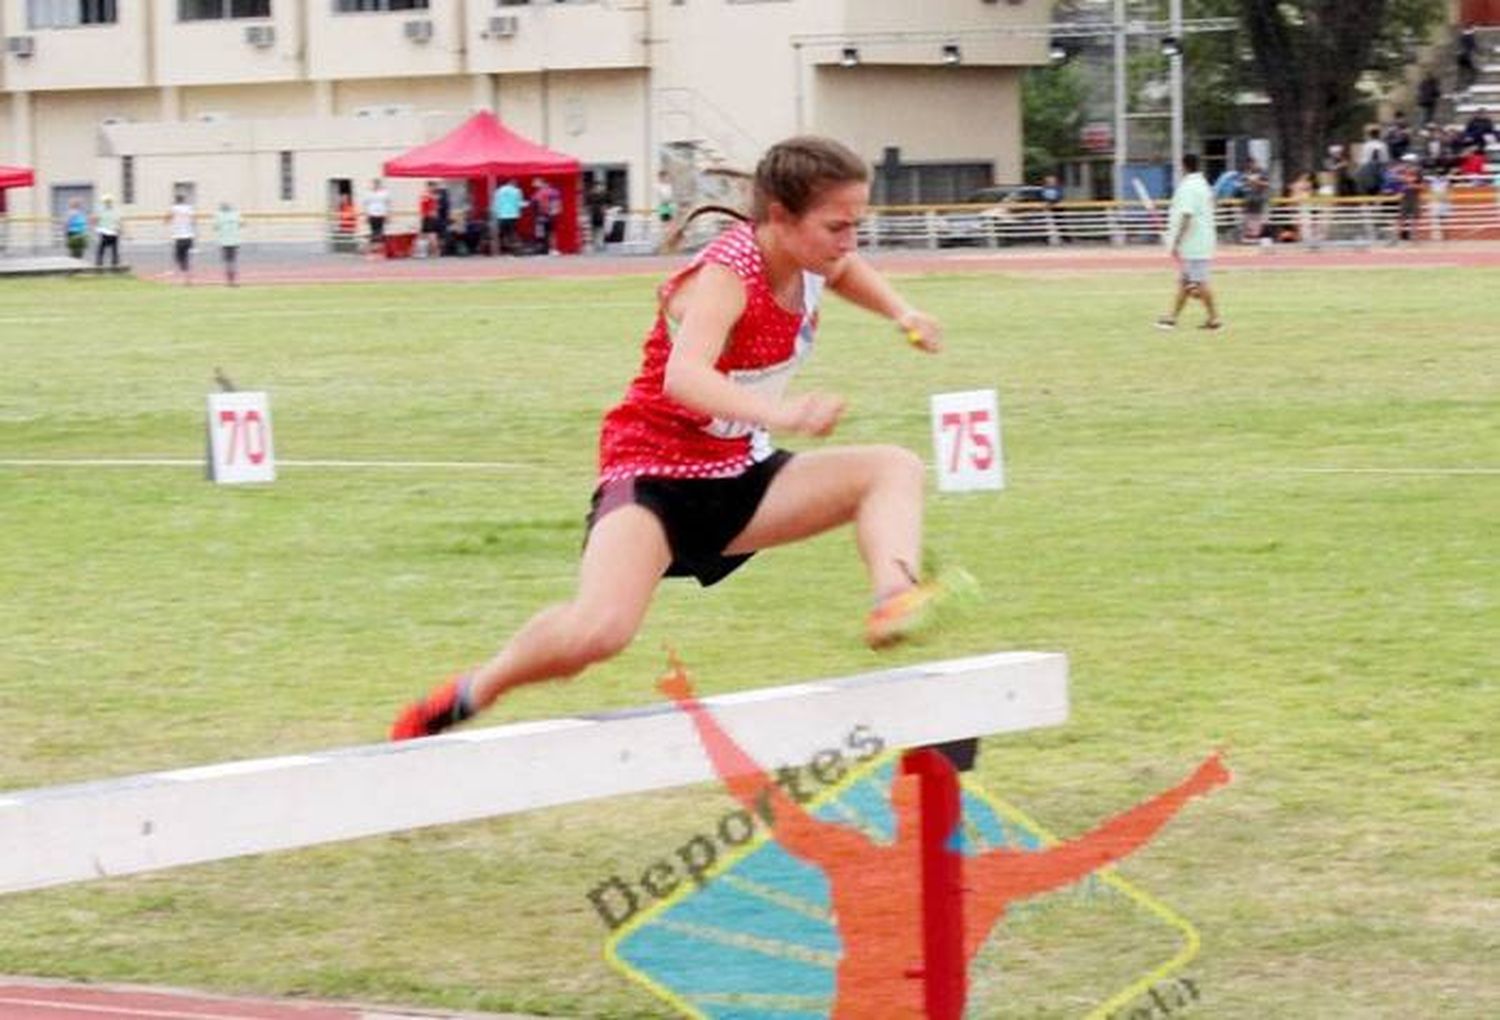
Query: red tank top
point(648, 433)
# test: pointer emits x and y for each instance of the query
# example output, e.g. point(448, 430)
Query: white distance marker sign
point(966, 441)
point(239, 438)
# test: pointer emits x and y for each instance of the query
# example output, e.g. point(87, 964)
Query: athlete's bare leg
point(626, 556)
point(879, 488)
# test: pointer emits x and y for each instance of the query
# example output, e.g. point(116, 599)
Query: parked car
point(1006, 214)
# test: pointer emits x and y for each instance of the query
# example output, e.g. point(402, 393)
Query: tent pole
point(489, 199)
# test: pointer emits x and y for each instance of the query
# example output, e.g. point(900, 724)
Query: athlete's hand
point(811, 414)
point(921, 330)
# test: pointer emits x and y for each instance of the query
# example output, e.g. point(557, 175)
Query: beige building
point(280, 105)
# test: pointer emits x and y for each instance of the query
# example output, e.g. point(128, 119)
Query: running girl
point(689, 483)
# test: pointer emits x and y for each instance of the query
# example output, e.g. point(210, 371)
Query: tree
point(1309, 57)
point(1052, 102)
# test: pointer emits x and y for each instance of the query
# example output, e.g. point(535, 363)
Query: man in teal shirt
point(1191, 237)
point(506, 204)
point(227, 227)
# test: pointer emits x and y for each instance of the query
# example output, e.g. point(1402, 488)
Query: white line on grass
point(346, 312)
point(1391, 471)
point(108, 462)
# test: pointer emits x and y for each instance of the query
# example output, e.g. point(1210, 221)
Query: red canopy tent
point(14, 177)
point(481, 148)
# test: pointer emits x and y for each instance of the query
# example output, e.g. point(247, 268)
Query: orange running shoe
point(914, 610)
point(442, 708)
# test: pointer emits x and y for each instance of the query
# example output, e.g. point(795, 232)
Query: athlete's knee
point(900, 463)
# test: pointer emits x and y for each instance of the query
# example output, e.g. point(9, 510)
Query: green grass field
point(1335, 631)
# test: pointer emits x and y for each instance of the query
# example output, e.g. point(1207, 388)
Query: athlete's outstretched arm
point(795, 829)
point(862, 284)
point(1006, 874)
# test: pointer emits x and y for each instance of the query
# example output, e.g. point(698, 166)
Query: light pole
point(1122, 145)
point(1175, 56)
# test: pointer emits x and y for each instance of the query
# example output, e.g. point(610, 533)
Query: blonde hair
point(795, 174)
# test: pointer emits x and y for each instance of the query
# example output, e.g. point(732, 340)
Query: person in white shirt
point(180, 218)
point(377, 206)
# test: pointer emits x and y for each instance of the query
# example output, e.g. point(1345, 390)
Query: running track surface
point(24, 1000)
point(1139, 258)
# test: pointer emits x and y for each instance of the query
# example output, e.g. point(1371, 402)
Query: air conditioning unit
point(260, 36)
point(20, 45)
point(504, 26)
point(418, 31)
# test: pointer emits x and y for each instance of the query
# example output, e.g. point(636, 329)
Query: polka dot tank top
point(650, 434)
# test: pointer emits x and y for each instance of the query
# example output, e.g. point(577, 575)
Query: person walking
point(1191, 238)
point(179, 220)
point(227, 225)
point(690, 483)
point(107, 232)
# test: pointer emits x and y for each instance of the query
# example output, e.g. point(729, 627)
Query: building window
point(216, 10)
point(355, 6)
point(70, 13)
point(127, 180)
point(287, 181)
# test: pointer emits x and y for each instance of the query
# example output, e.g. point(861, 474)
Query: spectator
point(473, 232)
point(1479, 130)
point(1256, 190)
point(666, 202)
point(180, 218)
point(507, 202)
point(1373, 157)
point(432, 228)
point(107, 227)
point(1398, 137)
point(1439, 184)
point(546, 206)
point(227, 229)
point(1229, 186)
point(1468, 43)
point(1407, 180)
point(1429, 92)
point(348, 222)
point(377, 205)
point(1336, 173)
point(444, 219)
point(598, 204)
point(1052, 194)
point(1471, 166)
point(76, 229)
point(1301, 194)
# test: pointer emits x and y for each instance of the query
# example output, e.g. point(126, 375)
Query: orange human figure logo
point(876, 889)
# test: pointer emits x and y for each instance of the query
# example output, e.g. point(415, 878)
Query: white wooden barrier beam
point(56, 835)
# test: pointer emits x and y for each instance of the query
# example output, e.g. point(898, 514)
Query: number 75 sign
point(239, 438)
point(966, 441)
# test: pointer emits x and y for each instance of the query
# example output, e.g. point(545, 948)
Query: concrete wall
point(958, 114)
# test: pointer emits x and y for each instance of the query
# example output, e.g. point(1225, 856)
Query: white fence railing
point(1472, 213)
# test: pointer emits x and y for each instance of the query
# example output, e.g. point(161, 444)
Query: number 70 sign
point(966, 441)
point(239, 438)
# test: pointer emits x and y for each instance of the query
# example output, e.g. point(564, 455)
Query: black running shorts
point(700, 515)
